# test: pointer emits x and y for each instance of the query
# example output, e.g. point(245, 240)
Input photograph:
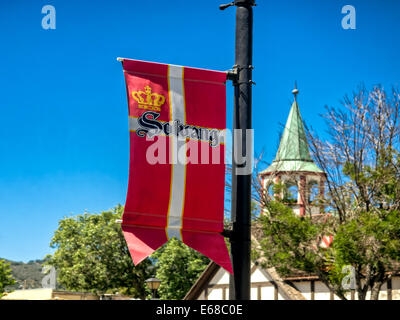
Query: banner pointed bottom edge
point(142, 242)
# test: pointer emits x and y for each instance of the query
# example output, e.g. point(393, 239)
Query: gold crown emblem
point(148, 100)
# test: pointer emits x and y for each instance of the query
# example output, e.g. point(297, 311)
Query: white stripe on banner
point(178, 167)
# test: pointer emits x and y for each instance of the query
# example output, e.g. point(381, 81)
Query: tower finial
point(295, 91)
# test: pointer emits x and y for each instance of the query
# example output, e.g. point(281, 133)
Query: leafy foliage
point(6, 278)
point(92, 256)
point(283, 230)
point(178, 267)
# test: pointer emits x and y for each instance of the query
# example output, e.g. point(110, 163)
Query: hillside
point(27, 275)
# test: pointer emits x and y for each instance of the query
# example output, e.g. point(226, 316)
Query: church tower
point(301, 181)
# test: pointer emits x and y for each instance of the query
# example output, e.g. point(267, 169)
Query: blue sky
point(64, 139)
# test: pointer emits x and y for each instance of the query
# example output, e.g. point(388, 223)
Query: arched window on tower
point(313, 192)
point(291, 192)
point(271, 190)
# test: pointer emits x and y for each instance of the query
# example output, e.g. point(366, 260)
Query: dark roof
point(204, 279)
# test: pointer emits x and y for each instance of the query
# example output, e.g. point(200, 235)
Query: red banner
point(177, 121)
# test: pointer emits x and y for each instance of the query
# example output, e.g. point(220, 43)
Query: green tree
point(6, 278)
point(178, 267)
point(91, 255)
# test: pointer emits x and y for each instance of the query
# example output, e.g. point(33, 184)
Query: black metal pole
point(241, 183)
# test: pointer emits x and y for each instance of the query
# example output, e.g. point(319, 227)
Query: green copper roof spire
point(293, 153)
